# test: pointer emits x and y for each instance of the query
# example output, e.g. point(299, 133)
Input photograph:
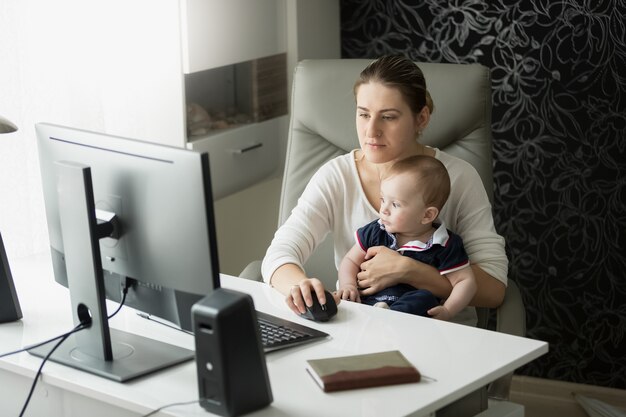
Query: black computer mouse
point(318, 312)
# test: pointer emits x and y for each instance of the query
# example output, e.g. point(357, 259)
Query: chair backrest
point(323, 117)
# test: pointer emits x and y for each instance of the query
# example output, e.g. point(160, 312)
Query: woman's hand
point(291, 281)
point(299, 295)
point(381, 269)
point(384, 267)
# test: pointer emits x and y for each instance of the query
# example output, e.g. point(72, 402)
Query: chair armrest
point(510, 319)
point(252, 271)
point(511, 315)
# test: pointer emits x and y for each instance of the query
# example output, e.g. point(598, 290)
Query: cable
point(63, 337)
point(78, 328)
point(124, 292)
point(170, 405)
point(34, 346)
point(162, 322)
point(24, 349)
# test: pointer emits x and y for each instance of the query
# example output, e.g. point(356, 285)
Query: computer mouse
point(318, 312)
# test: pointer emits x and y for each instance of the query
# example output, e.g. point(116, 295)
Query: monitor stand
point(110, 353)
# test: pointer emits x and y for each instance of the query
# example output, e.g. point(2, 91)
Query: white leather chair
point(322, 126)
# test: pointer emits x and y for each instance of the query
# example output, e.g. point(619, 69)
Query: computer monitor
point(125, 212)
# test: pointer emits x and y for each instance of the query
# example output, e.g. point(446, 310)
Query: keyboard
point(277, 333)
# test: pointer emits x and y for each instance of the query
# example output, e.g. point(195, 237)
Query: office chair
point(322, 127)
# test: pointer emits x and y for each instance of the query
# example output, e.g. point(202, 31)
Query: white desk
point(455, 359)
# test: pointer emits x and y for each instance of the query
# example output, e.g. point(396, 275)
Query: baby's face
point(402, 206)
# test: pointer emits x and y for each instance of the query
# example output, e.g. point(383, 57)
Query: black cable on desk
point(64, 337)
point(170, 405)
point(35, 346)
point(124, 292)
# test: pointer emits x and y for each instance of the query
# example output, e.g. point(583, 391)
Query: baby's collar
point(439, 237)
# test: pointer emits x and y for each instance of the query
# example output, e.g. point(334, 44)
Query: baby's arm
point(463, 290)
point(348, 269)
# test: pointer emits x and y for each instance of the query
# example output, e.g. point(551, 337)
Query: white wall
point(72, 62)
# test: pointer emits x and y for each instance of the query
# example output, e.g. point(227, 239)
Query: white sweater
point(334, 200)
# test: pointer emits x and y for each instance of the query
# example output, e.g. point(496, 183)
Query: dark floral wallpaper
point(559, 124)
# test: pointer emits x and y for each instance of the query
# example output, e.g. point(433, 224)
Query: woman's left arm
point(391, 268)
point(468, 212)
point(490, 292)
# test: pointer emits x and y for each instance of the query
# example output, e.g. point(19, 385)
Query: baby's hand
point(440, 313)
point(349, 292)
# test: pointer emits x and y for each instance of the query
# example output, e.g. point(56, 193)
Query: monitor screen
point(138, 214)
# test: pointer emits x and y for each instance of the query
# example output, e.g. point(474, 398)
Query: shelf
point(247, 92)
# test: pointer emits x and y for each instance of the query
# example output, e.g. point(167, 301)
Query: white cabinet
point(216, 33)
point(242, 156)
point(223, 45)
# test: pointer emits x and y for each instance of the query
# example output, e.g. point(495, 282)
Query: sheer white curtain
point(48, 73)
point(32, 89)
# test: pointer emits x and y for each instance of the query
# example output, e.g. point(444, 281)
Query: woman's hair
point(401, 73)
point(430, 175)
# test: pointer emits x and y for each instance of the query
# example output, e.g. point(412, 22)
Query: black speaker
point(9, 305)
point(232, 374)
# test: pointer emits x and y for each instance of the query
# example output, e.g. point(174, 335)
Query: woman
point(392, 108)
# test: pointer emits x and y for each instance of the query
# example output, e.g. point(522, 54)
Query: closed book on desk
point(362, 371)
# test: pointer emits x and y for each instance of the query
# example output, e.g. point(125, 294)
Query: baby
point(411, 197)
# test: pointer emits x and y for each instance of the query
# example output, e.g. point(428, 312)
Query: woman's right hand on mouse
point(300, 295)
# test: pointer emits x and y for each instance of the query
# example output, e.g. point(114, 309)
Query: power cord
point(153, 412)
point(37, 345)
point(124, 292)
point(83, 325)
point(127, 285)
point(63, 337)
point(162, 322)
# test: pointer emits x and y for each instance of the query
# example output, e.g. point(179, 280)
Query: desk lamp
point(6, 126)
point(9, 305)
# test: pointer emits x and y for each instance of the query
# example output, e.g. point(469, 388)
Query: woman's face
point(386, 126)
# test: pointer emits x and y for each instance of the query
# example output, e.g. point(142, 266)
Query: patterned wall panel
point(559, 121)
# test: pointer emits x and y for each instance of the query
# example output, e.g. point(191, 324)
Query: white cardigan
point(334, 200)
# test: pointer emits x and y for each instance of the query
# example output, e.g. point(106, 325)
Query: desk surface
point(454, 359)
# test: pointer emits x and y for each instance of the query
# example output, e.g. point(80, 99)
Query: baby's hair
point(431, 178)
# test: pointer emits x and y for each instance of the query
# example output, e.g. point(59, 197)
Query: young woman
point(392, 108)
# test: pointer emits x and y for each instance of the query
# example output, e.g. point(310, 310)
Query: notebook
point(362, 371)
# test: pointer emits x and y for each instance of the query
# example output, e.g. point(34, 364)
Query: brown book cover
point(362, 371)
